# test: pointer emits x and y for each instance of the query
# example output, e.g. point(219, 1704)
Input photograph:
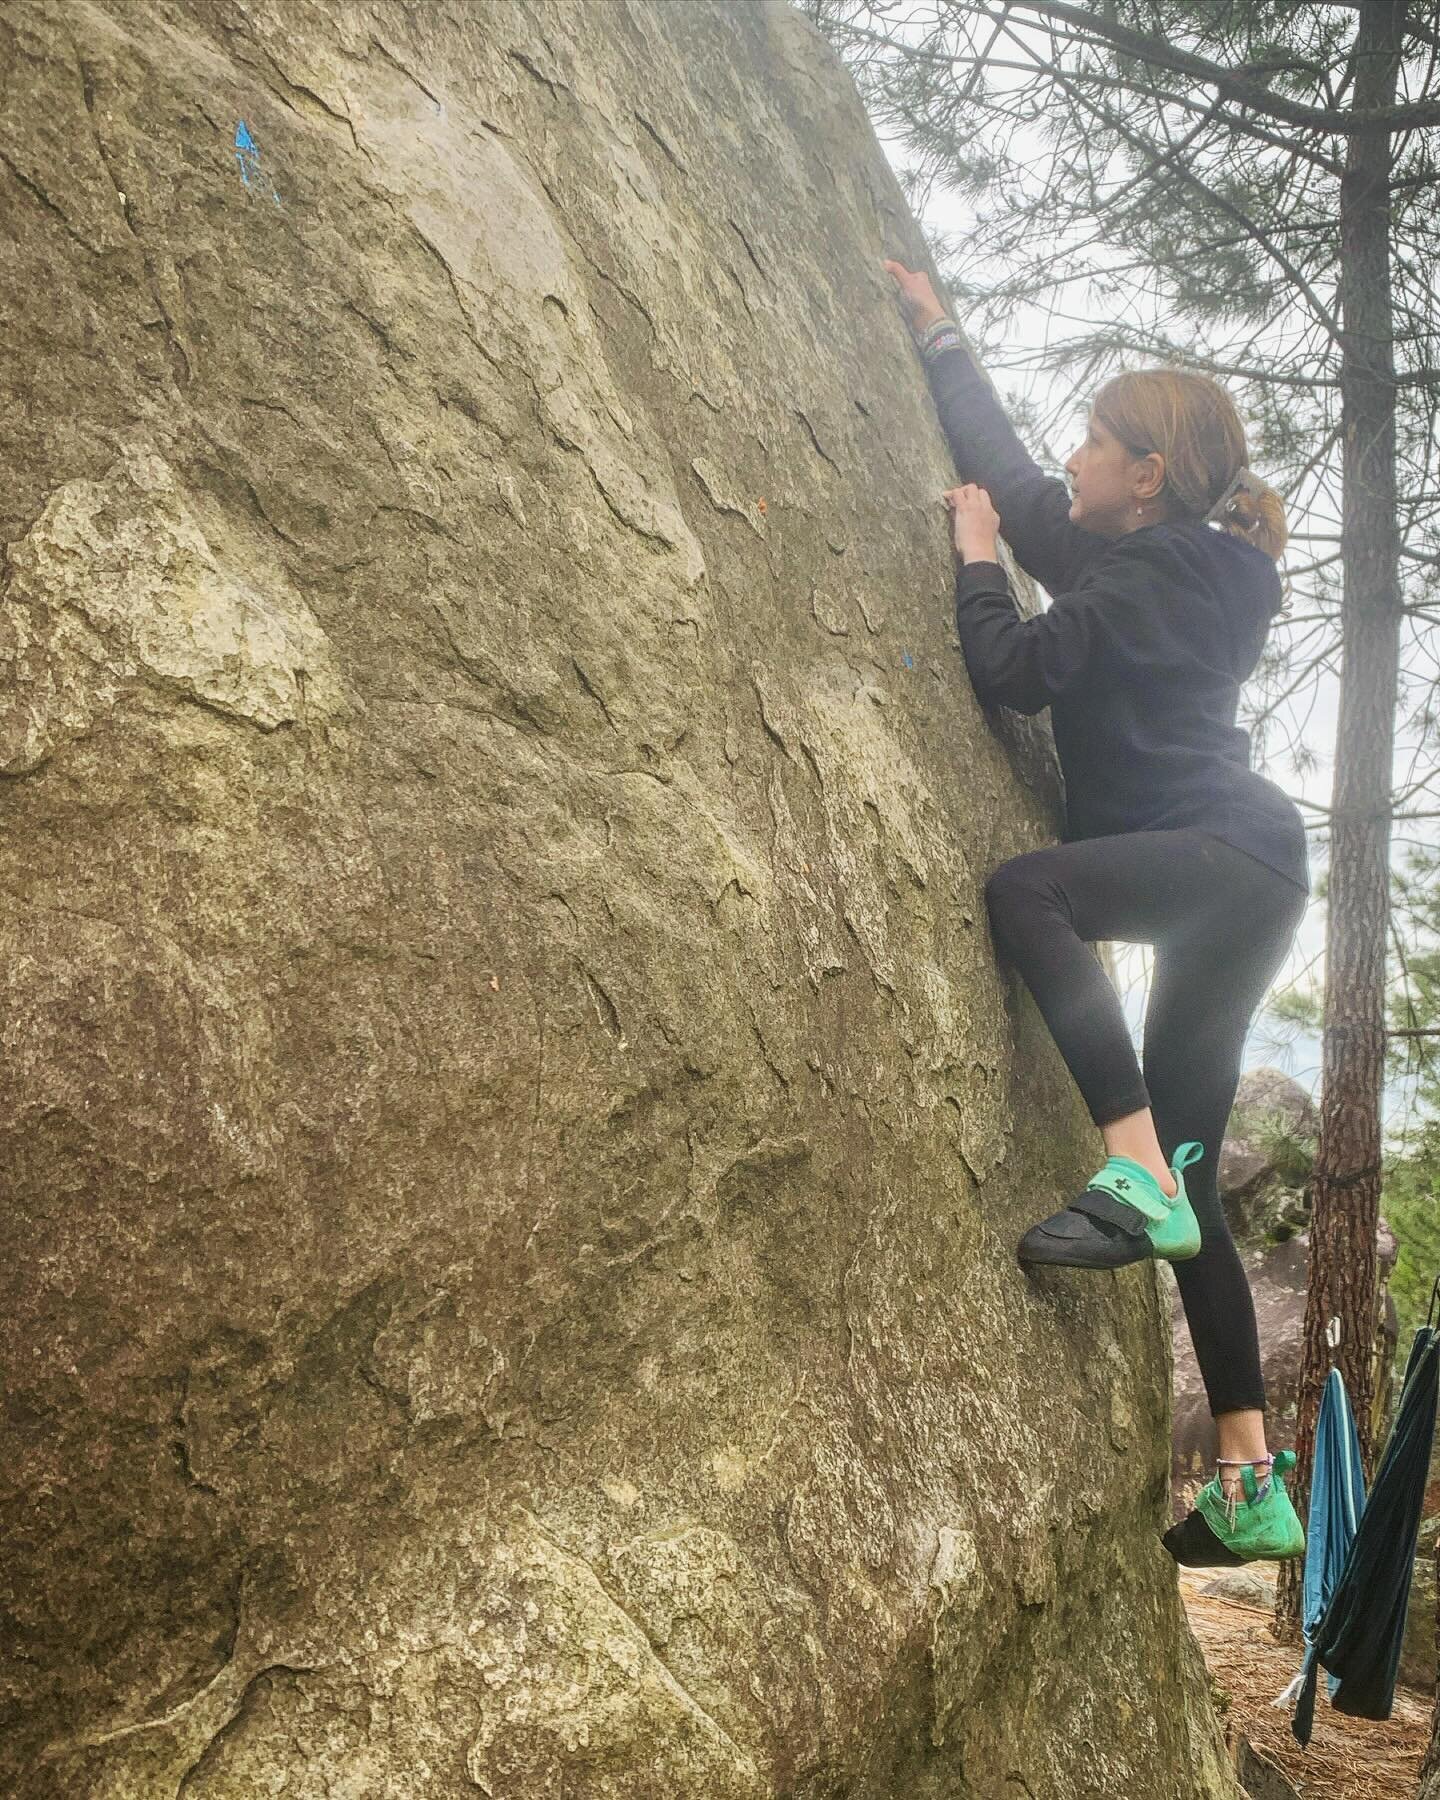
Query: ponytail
point(1259, 518)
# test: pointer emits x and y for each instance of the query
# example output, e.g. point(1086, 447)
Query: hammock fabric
point(1337, 1500)
point(1358, 1629)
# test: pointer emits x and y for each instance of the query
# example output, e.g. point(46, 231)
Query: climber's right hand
point(918, 300)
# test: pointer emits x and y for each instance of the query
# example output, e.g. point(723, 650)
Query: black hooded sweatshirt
point(1140, 656)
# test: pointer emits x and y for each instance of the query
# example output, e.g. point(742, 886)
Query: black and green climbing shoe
point(1263, 1527)
point(1124, 1216)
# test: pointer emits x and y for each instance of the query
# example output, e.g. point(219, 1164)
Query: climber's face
point(1109, 481)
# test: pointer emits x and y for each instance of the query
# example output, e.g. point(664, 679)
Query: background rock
point(512, 1134)
point(1257, 1184)
point(1249, 1586)
point(1259, 1776)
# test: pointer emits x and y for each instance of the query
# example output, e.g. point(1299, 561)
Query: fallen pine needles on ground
point(1348, 1759)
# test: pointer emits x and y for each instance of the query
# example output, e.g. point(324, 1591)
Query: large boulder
point(512, 1134)
point(1258, 1173)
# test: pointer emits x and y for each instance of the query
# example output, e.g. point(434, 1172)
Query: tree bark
point(1346, 1183)
point(1430, 1767)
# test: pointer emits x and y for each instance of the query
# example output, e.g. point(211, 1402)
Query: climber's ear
point(1148, 475)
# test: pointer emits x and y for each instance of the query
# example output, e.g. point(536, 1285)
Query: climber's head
point(1162, 444)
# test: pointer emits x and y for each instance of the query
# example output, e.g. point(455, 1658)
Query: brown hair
point(1192, 422)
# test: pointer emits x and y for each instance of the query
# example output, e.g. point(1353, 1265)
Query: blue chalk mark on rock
point(907, 659)
point(247, 154)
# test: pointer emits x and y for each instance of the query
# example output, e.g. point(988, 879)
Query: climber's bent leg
point(1046, 908)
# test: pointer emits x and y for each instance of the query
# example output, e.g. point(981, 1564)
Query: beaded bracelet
point(943, 335)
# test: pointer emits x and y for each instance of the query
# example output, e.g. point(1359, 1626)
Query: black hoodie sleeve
point(1123, 616)
point(1034, 508)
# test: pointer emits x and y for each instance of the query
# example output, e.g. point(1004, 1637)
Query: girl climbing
point(1160, 557)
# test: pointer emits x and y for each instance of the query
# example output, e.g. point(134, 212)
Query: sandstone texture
point(512, 1132)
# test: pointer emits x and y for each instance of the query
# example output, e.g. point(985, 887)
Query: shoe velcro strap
point(1131, 1186)
point(1098, 1205)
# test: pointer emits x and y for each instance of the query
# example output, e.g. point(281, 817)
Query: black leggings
point(1221, 922)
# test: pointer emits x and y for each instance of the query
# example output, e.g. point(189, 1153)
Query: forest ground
point(1348, 1759)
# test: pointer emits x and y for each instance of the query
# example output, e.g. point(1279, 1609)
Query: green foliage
point(1411, 1196)
point(1410, 1191)
point(1299, 1009)
point(1289, 1152)
point(1410, 1202)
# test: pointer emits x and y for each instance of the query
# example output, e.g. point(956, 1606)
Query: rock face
point(512, 1132)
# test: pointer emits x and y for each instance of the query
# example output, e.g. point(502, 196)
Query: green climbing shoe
point(1122, 1217)
point(1263, 1527)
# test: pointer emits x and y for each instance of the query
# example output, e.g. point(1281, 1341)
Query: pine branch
point(1238, 84)
point(1248, 225)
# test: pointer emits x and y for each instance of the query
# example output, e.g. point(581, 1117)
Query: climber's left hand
point(975, 521)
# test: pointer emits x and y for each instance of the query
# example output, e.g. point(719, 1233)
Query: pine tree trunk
point(1430, 1767)
point(1346, 1182)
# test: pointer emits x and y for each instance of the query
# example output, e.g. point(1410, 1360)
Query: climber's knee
point(1003, 884)
point(1020, 887)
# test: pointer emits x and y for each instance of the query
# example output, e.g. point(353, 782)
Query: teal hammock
point(1360, 1553)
